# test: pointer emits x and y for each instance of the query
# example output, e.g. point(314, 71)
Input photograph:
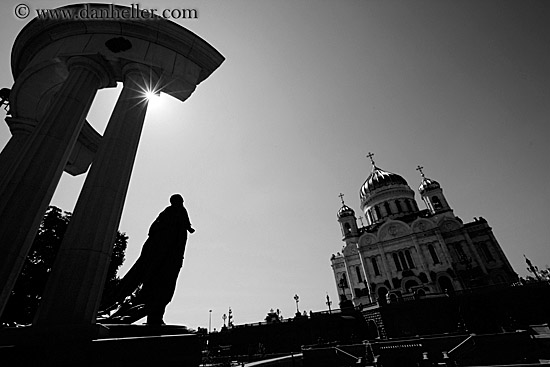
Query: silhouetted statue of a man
point(166, 246)
point(160, 261)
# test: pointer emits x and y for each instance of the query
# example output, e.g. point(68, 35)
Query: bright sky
point(265, 145)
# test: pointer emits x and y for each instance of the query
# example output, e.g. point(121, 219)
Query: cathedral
point(405, 252)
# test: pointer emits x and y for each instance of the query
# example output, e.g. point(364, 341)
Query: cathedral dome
point(379, 178)
point(345, 211)
point(428, 184)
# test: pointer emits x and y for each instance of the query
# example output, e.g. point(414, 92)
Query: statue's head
point(176, 199)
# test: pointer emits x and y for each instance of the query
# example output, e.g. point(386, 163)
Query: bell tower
point(348, 222)
point(432, 194)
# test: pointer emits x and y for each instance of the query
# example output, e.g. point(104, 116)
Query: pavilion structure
point(58, 66)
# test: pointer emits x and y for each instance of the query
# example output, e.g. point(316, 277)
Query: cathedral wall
point(405, 264)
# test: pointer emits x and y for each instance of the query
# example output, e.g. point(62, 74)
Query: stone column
point(444, 248)
point(20, 129)
point(32, 179)
point(385, 264)
point(423, 262)
point(363, 265)
point(81, 267)
point(383, 212)
point(348, 277)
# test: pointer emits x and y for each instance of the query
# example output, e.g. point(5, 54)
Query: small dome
point(345, 211)
point(428, 184)
point(379, 178)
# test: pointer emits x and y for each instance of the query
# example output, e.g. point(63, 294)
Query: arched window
point(375, 266)
point(409, 206)
point(436, 203)
point(409, 259)
point(358, 272)
point(460, 251)
point(403, 261)
point(398, 205)
point(344, 281)
point(396, 261)
point(347, 228)
point(369, 215)
point(387, 207)
point(409, 284)
point(486, 252)
point(377, 212)
point(433, 254)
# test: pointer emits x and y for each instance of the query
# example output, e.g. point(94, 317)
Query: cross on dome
point(370, 155)
point(419, 169)
point(341, 198)
point(345, 211)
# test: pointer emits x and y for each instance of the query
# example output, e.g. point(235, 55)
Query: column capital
point(96, 64)
point(136, 72)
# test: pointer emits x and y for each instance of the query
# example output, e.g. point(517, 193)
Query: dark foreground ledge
point(114, 345)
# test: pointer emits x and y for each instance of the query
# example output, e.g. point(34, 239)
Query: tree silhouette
point(27, 292)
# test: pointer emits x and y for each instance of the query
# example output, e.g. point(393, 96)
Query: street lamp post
point(209, 320)
point(297, 299)
point(328, 303)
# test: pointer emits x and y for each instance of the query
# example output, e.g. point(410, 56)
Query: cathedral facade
point(403, 251)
